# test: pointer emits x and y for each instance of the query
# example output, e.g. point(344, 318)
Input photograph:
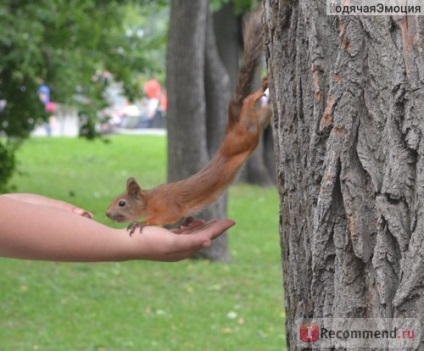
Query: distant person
point(156, 102)
point(152, 89)
point(2, 105)
point(44, 94)
point(163, 102)
point(130, 115)
point(49, 106)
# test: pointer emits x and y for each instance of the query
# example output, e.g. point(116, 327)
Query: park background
point(191, 305)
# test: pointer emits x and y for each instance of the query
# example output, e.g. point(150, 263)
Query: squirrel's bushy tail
point(252, 54)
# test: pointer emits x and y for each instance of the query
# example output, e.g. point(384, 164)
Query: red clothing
point(152, 89)
point(163, 101)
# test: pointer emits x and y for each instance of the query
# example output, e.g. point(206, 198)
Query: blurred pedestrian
point(49, 107)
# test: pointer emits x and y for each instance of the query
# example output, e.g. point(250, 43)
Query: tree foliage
point(239, 5)
point(64, 43)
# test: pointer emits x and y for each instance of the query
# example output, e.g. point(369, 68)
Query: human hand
point(160, 244)
point(38, 228)
point(45, 201)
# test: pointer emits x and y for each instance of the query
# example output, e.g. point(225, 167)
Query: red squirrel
point(168, 203)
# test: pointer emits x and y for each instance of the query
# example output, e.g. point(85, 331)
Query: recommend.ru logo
point(384, 333)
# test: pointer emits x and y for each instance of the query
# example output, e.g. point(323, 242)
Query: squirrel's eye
point(122, 203)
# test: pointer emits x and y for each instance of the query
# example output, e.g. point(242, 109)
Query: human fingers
point(191, 225)
point(201, 236)
point(213, 227)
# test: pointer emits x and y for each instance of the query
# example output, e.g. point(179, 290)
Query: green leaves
point(65, 44)
point(240, 6)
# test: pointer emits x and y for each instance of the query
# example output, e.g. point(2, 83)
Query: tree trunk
point(227, 29)
point(259, 168)
point(348, 101)
point(198, 94)
point(269, 156)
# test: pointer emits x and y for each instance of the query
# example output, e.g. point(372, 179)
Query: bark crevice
point(350, 161)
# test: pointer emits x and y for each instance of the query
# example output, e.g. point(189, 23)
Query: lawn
point(143, 306)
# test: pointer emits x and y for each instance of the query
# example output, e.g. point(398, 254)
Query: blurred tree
point(198, 93)
point(200, 62)
point(67, 45)
point(227, 18)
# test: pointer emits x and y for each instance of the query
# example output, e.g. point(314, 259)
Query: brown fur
point(167, 203)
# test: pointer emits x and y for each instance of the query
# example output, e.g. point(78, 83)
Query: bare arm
point(45, 201)
point(38, 231)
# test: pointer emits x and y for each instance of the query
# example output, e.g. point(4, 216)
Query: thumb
point(83, 213)
point(202, 236)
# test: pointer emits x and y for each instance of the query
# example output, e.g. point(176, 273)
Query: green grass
point(190, 305)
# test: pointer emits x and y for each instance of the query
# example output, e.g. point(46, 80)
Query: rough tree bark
point(198, 93)
point(348, 97)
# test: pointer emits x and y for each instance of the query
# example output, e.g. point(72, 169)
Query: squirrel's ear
point(132, 187)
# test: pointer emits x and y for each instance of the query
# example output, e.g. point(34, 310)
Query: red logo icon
point(309, 332)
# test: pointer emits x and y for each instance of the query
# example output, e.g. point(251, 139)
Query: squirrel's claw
point(265, 83)
point(187, 221)
point(134, 225)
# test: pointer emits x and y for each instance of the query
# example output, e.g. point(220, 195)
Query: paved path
point(66, 125)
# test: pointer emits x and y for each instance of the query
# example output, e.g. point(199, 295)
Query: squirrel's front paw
point(134, 225)
point(264, 83)
point(187, 221)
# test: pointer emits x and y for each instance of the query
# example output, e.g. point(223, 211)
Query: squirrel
point(168, 203)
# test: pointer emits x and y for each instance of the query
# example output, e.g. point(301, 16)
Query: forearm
point(45, 201)
point(31, 231)
point(36, 231)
